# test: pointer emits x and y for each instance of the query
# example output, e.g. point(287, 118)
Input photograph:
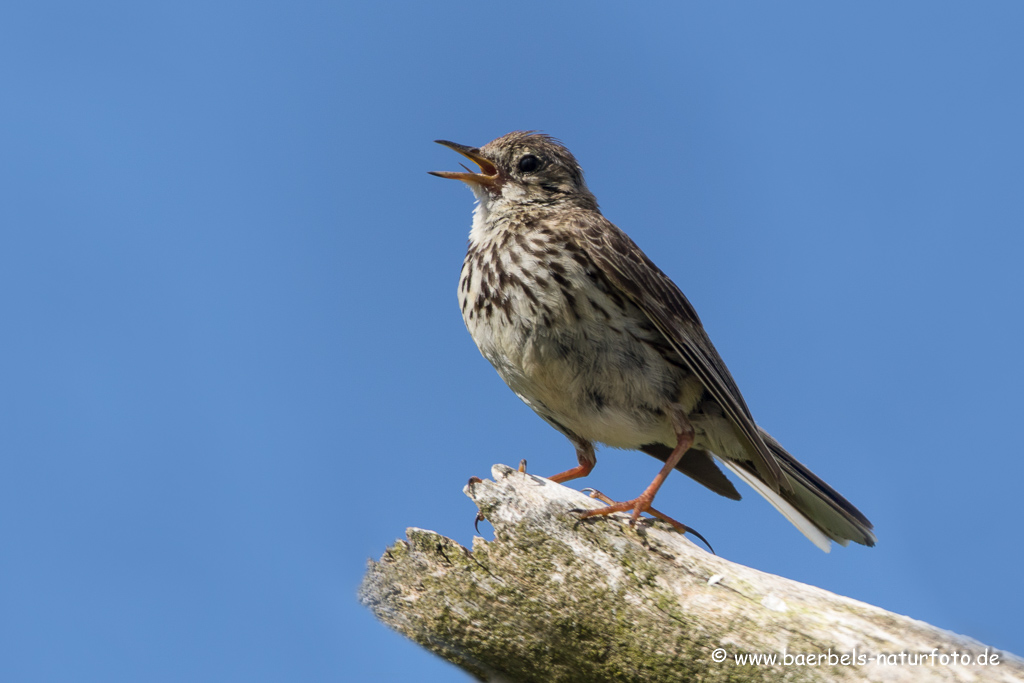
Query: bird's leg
point(678, 526)
point(587, 459)
point(642, 503)
point(584, 454)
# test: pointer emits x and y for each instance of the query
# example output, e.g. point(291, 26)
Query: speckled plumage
point(601, 344)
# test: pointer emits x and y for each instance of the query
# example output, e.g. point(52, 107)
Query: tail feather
point(814, 507)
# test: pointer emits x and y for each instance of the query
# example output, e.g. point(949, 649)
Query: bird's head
point(521, 168)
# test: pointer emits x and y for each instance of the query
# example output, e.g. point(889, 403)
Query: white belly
point(585, 363)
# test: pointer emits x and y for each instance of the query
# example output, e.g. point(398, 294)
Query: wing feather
point(643, 283)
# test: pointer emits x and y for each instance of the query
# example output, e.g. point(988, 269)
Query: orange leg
point(678, 526)
point(642, 503)
point(587, 459)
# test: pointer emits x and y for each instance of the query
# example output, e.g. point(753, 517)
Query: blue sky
point(232, 366)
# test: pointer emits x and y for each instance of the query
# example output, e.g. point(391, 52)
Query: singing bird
point(600, 343)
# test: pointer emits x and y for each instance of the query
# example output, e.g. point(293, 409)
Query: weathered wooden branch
point(553, 598)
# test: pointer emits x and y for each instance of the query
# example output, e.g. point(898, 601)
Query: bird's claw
point(635, 506)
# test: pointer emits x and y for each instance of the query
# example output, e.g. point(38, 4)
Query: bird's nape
point(601, 344)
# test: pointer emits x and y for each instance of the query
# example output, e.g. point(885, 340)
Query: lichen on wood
point(553, 598)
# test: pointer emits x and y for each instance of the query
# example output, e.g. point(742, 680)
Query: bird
point(604, 347)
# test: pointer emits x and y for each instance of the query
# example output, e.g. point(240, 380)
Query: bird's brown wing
point(643, 283)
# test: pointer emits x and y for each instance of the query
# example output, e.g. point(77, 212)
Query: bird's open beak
point(488, 175)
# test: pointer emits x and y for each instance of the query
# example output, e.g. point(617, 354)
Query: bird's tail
point(814, 507)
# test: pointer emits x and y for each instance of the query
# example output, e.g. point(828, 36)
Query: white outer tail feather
point(796, 518)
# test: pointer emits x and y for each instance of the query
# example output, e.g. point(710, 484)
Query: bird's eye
point(529, 164)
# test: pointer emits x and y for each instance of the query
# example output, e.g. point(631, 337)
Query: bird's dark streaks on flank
point(596, 339)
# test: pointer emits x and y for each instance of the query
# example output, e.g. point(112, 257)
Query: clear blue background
point(232, 366)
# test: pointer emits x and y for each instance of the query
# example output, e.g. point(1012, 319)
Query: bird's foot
point(476, 480)
point(638, 506)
